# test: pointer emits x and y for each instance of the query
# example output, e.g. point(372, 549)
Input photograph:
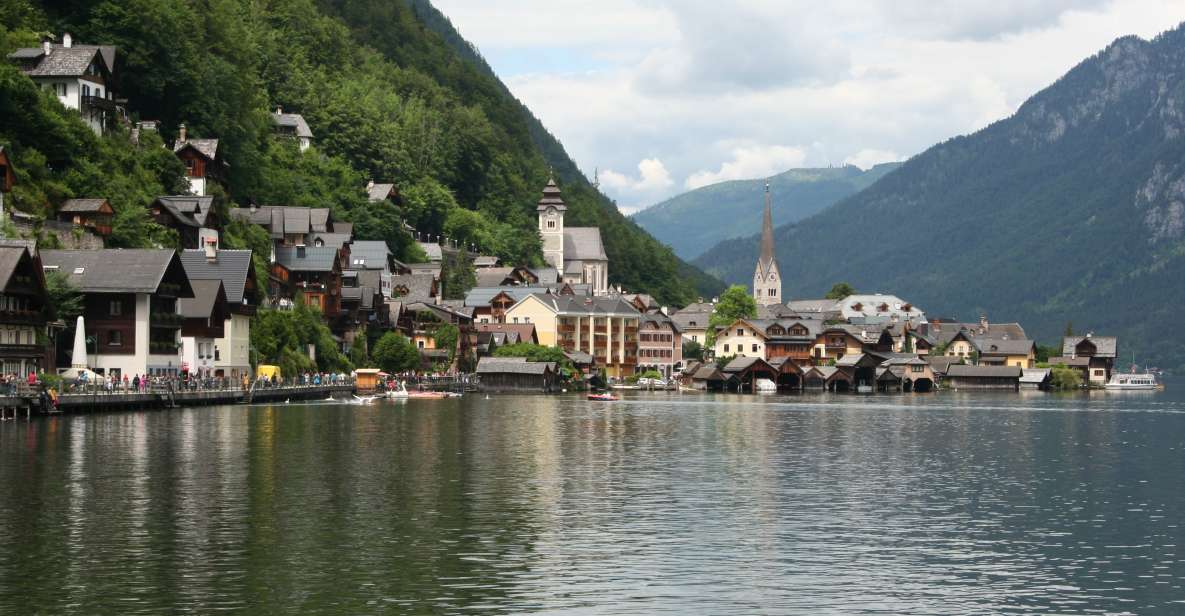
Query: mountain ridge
point(1068, 211)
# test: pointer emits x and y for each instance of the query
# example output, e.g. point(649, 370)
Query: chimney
point(211, 252)
point(279, 110)
point(983, 322)
point(300, 251)
point(181, 133)
point(369, 184)
point(67, 40)
point(46, 47)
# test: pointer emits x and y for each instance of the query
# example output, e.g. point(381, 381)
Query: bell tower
point(551, 225)
point(767, 281)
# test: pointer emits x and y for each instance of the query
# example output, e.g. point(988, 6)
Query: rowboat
point(605, 397)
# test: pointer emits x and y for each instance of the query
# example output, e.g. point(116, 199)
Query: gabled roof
point(378, 192)
point(281, 220)
point(333, 240)
point(999, 346)
point(315, 259)
point(522, 331)
point(1104, 345)
point(1075, 362)
point(85, 206)
point(206, 295)
point(419, 286)
point(513, 365)
point(551, 197)
point(485, 261)
point(62, 61)
point(10, 258)
point(482, 296)
point(206, 147)
point(995, 372)
point(741, 364)
point(1035, 375)
point(434, 252)
point(295, 121)
point(232, 268)
point(583, 244)
point(369, 254)
point(941, 363)
point(579, 305)
point(708, 372)
point(812, 305)
point(189, 210)
point(115, 270)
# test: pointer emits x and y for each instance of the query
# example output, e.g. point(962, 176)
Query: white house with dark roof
point(234, 270)
point(577, 253)
point(200, 157)
point(79, 75)
point(294, 126)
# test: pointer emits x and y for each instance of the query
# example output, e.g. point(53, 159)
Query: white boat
point(398, 393)
point(766, 386)
point(624, 387)
point(1132, 381)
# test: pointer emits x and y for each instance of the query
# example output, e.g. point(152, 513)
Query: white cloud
point(750, 162)
point(869, 157)
point(652, 175)
point(720, 91)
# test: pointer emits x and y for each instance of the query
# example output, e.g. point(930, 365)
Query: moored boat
point(1132, 381)
point(603, 397)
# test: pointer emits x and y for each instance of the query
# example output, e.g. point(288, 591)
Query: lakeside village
point(184, 317)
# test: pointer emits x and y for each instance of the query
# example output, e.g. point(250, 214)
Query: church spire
point(767, 233)
point(767, 284)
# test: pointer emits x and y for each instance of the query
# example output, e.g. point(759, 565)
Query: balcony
point(21, 316)
point(21, 350)
point(166, 320)
point(98, 102)
point(163, 348)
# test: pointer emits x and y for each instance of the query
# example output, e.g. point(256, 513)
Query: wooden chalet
point(501, 374)
point(93, 214)
point(24, 313)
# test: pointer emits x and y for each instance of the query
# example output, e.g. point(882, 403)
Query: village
point(188, 313)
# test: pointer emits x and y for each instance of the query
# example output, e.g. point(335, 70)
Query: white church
point(576, 252)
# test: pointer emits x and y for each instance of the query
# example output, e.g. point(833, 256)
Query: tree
point(840, 290)
point(735, 303)
point(395, 353)
point(446, 336)
point(538, 352)
point(1065, 378)
point(358, 352)
point(63, 297)
point(693, 350)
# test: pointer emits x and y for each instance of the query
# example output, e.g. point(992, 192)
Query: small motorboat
point(603, 397)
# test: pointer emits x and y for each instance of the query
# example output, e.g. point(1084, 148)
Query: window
point(115, 308)
point(551, 224)
point(516, 319)
point(695, 338)
point(755, 348)
point(421, 344)
point(114, 338)
point(917, 368)
point(740, 332)
point(726, 348)
point(86, 90)
point(526, 319)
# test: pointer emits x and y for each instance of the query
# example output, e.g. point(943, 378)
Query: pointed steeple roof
point(767, 235)
point(551, 197)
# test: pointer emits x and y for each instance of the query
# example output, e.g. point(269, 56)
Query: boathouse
point(742, 373)
point(516, 374)
point(1003, 378)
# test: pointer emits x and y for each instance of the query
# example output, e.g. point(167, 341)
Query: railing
point(20, 316)
point(169, 320)
point(28, 350)
point(98, 102)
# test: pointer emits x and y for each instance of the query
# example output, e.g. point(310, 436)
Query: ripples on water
point(947, 504)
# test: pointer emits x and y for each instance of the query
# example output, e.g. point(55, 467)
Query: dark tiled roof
point(205, 147)
point(996, 372)
point(602, 305)
point(513, 365)
point(343, 227)
point(999, 346)
point(82, 205)
point(10, 257)
point(419, 286)
point(372, 254)
point(482, 296)
point(187, 209)
point(295, 121)
point(332, 240)
point(316, 259)
point(112, 270)
point(62, 61)
point(583, 244)
point(231, 268)
point(522, 331)
point(1105, 345)
point(205, 297)
point(551, 197)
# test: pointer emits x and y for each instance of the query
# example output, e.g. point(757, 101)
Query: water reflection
point(952, 504)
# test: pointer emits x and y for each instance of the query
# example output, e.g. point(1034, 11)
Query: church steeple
point(767, 283)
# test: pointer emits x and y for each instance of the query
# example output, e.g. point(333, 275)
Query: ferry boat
point(1133, 381)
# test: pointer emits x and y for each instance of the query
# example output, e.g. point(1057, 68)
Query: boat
point(765, 386)
point(398, 393)
point(625, 387)
point(1132, 381)
point(603, 397)
point(427, 395)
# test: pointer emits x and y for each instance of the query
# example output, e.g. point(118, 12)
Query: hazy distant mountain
point(695, 221)
point(1072, 210)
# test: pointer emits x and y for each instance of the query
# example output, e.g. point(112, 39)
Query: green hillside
point(387, 94)
point(697, 220)
point(1072, 210)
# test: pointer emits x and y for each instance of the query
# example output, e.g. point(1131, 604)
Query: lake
point(950, 503)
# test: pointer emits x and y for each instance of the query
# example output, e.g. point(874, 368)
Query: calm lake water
point(928, 504)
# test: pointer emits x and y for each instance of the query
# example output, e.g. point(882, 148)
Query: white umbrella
point(79, 360)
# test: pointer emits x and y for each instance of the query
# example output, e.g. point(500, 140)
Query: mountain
point(391, 92)
point(696, 220)
point(1071, 210)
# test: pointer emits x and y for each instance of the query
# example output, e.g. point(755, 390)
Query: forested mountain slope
point(387, 99)
point(1071, 210)
point(697, 220)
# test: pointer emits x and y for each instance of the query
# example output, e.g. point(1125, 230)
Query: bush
point(1065, 379)
point(395, 353)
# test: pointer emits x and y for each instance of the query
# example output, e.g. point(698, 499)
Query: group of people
point(13, 380)
point(305, 379)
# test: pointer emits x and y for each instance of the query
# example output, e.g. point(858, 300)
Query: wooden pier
point(27, 402)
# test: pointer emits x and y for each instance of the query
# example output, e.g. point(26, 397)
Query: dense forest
point(697, 220)
point(389, 89)
point(1071, 210)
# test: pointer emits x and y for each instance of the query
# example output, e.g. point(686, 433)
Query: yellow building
point(605, 327)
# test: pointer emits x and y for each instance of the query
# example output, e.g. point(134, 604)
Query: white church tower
point(551, 225)
point(767, 282)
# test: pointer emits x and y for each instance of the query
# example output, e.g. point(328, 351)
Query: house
point(1005, 378)
point(24, 313)
point(708, 378)
point(372, 260)
point(381, 192)
point(942, 332)
point(660, 344)
point(434, 252)
point(575, 253)
point(860, 369)
point(879, 306)
point(940, 365)
point(692, 321)
point(1035, 378)
point(234, 270)
point(293, 126)
point(314, 273)
point(485, 261)
point(501, 374)
point(92, 214)
point(415, 288)
point(836, 342)
point(822, 309)
point(516, 332)
point(741, 374)
point(906, 373)
point(1006, 352)
point(509, 276)
point(78, 75)
point(129, 306)
point(7, 177)
point(769, 339)
point(204, 317)
point(1100, 351)
point(200, 157)
point(290, 226)
point(419, 322)
point(605, 327)
point(193, 217)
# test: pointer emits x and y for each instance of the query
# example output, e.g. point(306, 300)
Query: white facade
point(141, 361)
point(551, 229)
point(740, 339)
point(70, 92)
point(197, 186)
point(232, 350)
point(197, 355)
point(880, 306)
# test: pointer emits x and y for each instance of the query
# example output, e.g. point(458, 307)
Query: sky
point(663, 96)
